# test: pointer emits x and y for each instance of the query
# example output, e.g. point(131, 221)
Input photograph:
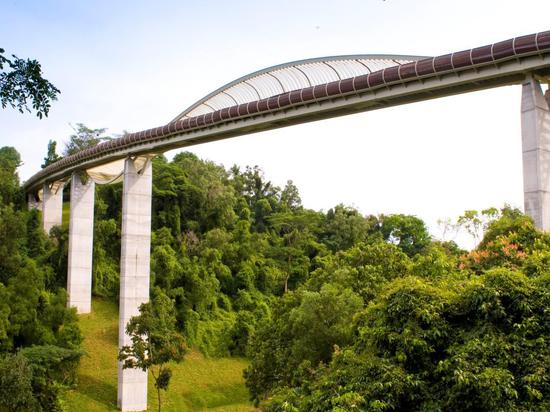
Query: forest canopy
point(336, 311)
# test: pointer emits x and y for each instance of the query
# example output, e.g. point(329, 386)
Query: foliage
point(51, 156)
point(475, 223)
point(16, 384)
point(429, 334)
point(409, 233)
point(336, 311)
point(39, 335)
point(477, 344)
point(510, 241)
point(21, 84)
point(155, 341)
point(9, 180)
point(306, 294)
point(365, 268)
point(83, 138)
point(52, 368)
point(344, 227)
point(32, 378)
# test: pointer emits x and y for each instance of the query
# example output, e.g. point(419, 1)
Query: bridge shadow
point(98, 391)
point(109, 335)
point(216, 397)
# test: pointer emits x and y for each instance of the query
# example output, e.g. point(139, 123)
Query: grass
point(198, 383)
point(66, 215)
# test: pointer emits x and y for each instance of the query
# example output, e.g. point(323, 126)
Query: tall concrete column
point(52, 206)
point(81, 234)
point(535, 133)
point(134, 274)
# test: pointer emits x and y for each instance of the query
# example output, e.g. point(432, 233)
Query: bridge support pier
point(535, 131)
point(52, 206)
point(134, 274)
point(81, 234)
point(33, 202)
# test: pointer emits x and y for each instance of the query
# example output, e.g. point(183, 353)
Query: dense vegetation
point(336, 311)
point(39, 336)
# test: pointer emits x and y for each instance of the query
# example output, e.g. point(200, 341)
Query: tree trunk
point(289, 260)
point(158, 394)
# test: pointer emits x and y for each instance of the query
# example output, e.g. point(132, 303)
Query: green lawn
point(198, 383)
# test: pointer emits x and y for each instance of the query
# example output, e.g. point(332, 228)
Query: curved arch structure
point(279, 96)
point(292, 76)
point(493, 65)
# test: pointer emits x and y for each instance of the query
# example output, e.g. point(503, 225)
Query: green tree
point(84, 138)
point(22, 84)
point(32, 378)
point(155, 341)
point(10, 160)
point(366, 268)
point(53, 368)
point(290, 197)
point(51, 156)
point(409, 233)
point(322, 320)
point(16, 383)
point(262, 197)
point(35, 322)
point(462, 344)
point(295, 244)
point(344, 226)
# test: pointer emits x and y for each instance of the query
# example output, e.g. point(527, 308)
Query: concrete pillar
point(52, 206)
point(134, 274)
point(535, 133)
point(81, 234)
point(33, 202)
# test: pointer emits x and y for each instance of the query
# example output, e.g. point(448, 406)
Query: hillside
point(335, 310)
point(198, 384)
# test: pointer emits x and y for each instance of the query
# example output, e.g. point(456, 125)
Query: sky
point(133, 65)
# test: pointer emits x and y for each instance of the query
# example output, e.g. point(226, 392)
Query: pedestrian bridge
point(280, 96)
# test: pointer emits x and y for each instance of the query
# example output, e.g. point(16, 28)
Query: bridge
point(279, 96)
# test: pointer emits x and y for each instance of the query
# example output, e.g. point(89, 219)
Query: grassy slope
point(66, 215)
point(198, 384)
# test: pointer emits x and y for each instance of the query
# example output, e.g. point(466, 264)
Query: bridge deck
point(498, 64)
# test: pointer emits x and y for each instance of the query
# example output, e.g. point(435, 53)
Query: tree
point(409, 233)
point(344, 227)
point(16, 384)
point(35, 323)
point(155, 341)
point(296, 238)
point(10, 160)
point(475, 223)
point(290, 197)
point(465, 344)
point(52, 368)
point(322, 320)
point(31, 379)
point(84, 138)
point(22, 84)
point(52, 156)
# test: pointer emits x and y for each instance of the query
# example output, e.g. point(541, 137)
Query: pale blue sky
point(134, 65)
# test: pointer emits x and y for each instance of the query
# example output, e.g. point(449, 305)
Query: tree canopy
point(39, 335)
point(336, 311)
point(82, 138)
